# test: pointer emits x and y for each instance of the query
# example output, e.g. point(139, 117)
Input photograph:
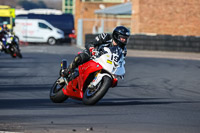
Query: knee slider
point(78, 59)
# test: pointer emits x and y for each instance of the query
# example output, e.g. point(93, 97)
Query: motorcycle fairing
point(78, 83)
point(87, 68)
point(72, 91)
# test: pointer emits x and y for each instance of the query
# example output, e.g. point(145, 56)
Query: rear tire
point(91, 98)
point(56, 93)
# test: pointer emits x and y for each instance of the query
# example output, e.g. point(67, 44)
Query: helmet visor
point(123, 39)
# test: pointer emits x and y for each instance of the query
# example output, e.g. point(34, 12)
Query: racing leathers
point(3, 38)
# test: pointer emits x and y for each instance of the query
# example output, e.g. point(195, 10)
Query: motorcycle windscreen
point(112, 60)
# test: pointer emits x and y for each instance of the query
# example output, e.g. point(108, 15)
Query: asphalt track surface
point(158, 95)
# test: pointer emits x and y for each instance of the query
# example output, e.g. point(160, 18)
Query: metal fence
point(96, 26)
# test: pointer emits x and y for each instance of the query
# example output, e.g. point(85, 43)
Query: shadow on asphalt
point(45, 102)
point(139, 101)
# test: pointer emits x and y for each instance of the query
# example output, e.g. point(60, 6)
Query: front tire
point(17, 39)
point(12, 51)
point(20, 55)
point(15, 52)
point(56, 93)
point(51, 41)
point(91, 97)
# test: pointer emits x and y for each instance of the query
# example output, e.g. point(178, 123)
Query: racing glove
point(92, 50)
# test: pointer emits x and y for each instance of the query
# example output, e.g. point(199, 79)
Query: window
point(44, 26)
point(69, 6)
point(4, 19)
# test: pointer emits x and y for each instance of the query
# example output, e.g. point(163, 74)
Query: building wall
point(85, 10)
point(175, 17)
point(111, 21)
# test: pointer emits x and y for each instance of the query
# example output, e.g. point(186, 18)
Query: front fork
point(98, 77)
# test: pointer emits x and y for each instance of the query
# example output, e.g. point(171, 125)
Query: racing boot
point(78, 60)
point(67, 73)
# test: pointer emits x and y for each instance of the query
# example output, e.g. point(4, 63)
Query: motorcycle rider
point(120, 37)
point(3, 34)
point(4, 31)
point(5, 28)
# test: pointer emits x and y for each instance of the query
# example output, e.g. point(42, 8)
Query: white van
point(37, 30)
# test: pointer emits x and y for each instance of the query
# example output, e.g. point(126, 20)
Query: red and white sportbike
point(92, 79)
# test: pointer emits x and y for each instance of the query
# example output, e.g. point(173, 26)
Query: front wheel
point(51, 41)
point(19, 55)
point(15, 52)
point(56, 93)
point(93, 95)
point(12, 50)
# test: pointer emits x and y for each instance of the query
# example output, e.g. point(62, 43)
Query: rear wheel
point(56, 93)
point(93, 95)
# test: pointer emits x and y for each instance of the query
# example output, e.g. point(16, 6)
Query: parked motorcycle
point(11, 46)
point(92, 79)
